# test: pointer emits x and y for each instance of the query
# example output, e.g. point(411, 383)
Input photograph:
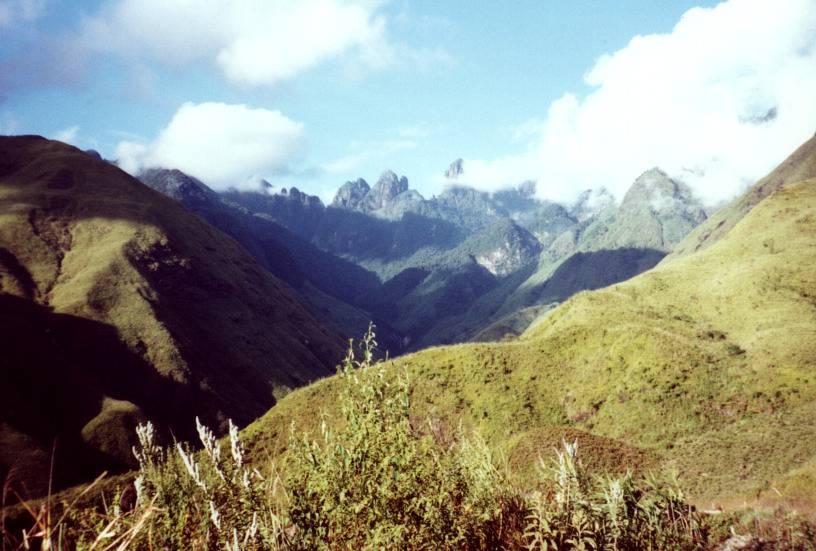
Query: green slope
point(118, 304)
point(704, 363)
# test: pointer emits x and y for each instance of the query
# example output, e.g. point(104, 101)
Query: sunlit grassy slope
point(117, 304)
point(706, 363)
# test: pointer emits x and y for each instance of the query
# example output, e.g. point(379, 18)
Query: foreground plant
point(578, 512)
point(208, 500)
point(379, 482)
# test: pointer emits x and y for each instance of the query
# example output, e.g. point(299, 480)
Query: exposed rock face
point(508, 236)
point(358, 195)
point(178, 185)
point(455, 170)
point(387, 188)
point(352, 195)
point(518, 249)
point(297, 196)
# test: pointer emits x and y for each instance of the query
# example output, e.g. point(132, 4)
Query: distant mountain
point(703, 364)
point(297, 211)
point(609, 243)
point(117, 305)
point(656, 213)
point(455, 170)
point(519, 240)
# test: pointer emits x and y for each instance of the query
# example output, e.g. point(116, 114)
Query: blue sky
point(430, 82)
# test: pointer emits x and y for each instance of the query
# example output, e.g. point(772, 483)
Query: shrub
point(379, 482)
point(209, 500)
point(578, 512)
point(181, 500)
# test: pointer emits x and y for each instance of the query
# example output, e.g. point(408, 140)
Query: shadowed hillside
point(135, 308)
point(335, 289)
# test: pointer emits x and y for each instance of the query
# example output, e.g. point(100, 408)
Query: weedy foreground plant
point(610, 513)
point(376, 479)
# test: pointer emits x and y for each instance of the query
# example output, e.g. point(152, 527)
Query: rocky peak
point(94, 153)
point(351, 195)
point(176, 184)
point(455, 170)
point(655, 190)
point(297, 196)
point(387, 188)
point(656, 213)
point(591, 203)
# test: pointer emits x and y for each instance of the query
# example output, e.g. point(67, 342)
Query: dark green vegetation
point(705, 363)
point(118, 305)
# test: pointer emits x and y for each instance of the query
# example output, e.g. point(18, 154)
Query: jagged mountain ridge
point(520, 240)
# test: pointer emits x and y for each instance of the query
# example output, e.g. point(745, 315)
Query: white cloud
point(363, 152)
point(223, 145)
point(253, 42)
point(15, 11)
point(67, 135)
point(717, 102)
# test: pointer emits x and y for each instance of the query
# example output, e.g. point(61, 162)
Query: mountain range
point(159, 298)
point(703, 363)
point(458, 263)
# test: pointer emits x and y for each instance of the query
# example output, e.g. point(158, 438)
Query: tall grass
point(580, 512)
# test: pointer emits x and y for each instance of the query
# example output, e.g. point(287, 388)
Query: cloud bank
point(223, 145)
point(717, 102)
point(252, 42)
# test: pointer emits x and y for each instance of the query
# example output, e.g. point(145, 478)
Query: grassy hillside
point(704, 363)
point(118, 304)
